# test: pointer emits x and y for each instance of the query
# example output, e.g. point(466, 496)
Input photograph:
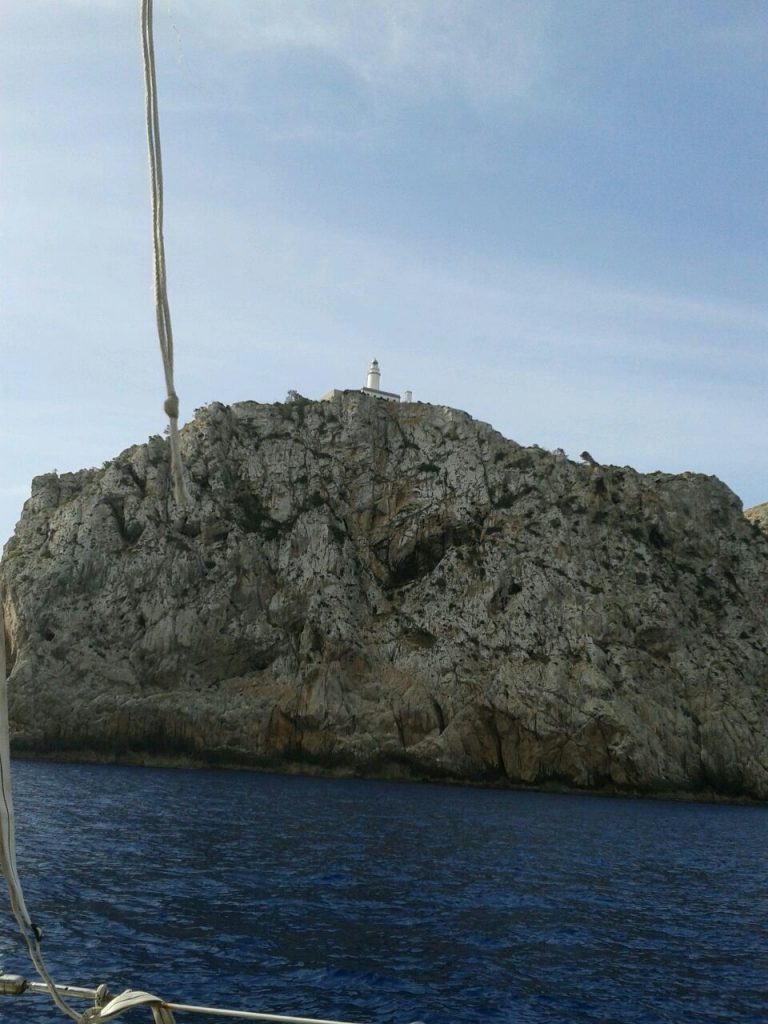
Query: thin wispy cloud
point(549, 214)
point(486, 50)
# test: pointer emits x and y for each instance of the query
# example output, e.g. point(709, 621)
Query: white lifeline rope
point(162, 308)
point(8, 841)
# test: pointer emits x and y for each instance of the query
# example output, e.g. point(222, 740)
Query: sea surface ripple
point(388, 902)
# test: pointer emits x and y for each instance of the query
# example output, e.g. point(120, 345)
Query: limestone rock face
point(360, 586)
point(758, 515)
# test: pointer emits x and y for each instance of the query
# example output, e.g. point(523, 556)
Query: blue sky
point(550, 214)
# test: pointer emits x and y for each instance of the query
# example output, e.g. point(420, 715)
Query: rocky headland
point(364, 587)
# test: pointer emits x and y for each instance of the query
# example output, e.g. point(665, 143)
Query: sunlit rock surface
point(758, 515)
point(361, 586)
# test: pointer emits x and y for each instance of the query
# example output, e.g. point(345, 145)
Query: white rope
point(161, 1010)
point(108, 1009)
point(129, 1000)
point(162, 308)
point(8, 840)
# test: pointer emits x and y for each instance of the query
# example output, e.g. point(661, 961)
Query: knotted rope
point(162, 309)
point(8, 866)
point(128, 1000)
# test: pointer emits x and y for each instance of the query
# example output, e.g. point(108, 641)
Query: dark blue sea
point(387, 902)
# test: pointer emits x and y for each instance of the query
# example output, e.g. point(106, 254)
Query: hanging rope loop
point(162, 308)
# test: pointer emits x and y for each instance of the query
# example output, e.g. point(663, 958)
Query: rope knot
point(171, 406)
point(128, 1000)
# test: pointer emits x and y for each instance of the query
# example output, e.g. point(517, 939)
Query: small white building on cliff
point(372, 388)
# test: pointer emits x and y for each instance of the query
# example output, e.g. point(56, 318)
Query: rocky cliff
point(386, 589)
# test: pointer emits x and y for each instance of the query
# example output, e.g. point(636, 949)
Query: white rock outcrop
point(367, 587)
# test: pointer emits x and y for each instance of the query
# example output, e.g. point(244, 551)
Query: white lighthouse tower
point(374, 376)
point(373, 384)
point(372, 388)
